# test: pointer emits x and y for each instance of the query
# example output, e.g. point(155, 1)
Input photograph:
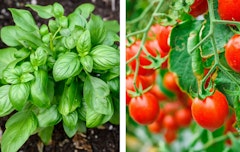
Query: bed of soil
point(101, 139)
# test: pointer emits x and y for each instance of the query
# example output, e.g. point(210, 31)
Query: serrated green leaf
point(179, 60)
point(66, 66)
point(5, 104)
point(24, 19)
point(18, 129)
point(18, 95)
point(42, 11)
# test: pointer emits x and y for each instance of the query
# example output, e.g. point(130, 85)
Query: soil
point(102, 139)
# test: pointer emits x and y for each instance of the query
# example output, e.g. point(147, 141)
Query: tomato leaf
point(97, 29)
point(96, 94)
point(43, 11)
point(18, 129)
point(18, 95)
point(66, 66)
point(179, 59)
point(24, 19)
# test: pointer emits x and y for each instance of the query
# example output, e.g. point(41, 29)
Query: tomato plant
point(65, 71)
point(197, 73)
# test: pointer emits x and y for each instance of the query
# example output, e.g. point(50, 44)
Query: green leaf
point(97, 29)
point(58, 10)
point(85, 9)
point(70, 99)
point(96, 94)
point(46, 134)
point(43, 11)
point(87, 63)
point(179, 59)
point(5, 104)
point(75, 19)
point(48, 116)
point(110, 38)
point(222, 34)
point(66, 66)
point(7, 56)
point(12, 75)
point(26, 67)
point(39, 57)
point(70, 120)
point(105, 57)
point(84, 43)
point(18, 129)
point(112, 26)
point(24, 19)
point(18, 95)
point(115, 119)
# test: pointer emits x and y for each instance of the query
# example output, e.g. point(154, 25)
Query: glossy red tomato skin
point(163, 38)
point(183, 117)
point(229, 9)
point(169, 122)
point(170, 82)
point(155, 90)
point(155, 127)
point(198, 7)
point(144, 109)
point(232, 52)
point(211, 112)
point(170, 135)
point(131, 51)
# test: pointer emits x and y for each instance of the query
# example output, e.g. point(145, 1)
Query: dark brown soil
point(102, 139)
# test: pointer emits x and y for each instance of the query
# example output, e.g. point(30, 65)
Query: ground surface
point(103, 139)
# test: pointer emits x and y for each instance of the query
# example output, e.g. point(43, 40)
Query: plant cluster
point(189, 52)
point(65, 71)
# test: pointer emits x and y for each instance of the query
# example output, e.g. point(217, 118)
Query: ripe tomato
point(170, 135)
point(232, 52)
point(170, 82)
point(155, 90)
point(131, 51)
point(155, 127)
point(198, 7)
point(229, 9)
point(169, 122)
point(154, 31)
point(172, 107)
point(163, 38)
point(183, 117)
point(143, 81)
point(211, 112)
point(144, 109)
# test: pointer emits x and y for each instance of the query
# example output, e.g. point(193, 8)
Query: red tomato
point(211, 112)
point(170, 82)
point(160, 117)
point(172, 107)
point(232, 52)
point(144, 109)
point(131, 52)
point(183, 117)
point(170, 135)
point(154, 31)
point(198, 7)
point(169, 122)
point(155, 90)
point(229, 9)
point(155, 127)
point(163, 38)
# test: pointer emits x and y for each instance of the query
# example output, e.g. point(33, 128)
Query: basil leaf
point(39, 57)
point(12, 75)
point(105, 57)
point(48, 116)
point(7, 56)
point(85, 9)
point(70, 99)
point(71, 119)
point(46, 134)
point(18, 95)
point(87, 63)
point(66, 66)
point(24, 19)
point(84, 43)
point(96, 94)
point(19, 127)
point(5, 104)
point(75, 19)
point(97, 29)
point(43, 11)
